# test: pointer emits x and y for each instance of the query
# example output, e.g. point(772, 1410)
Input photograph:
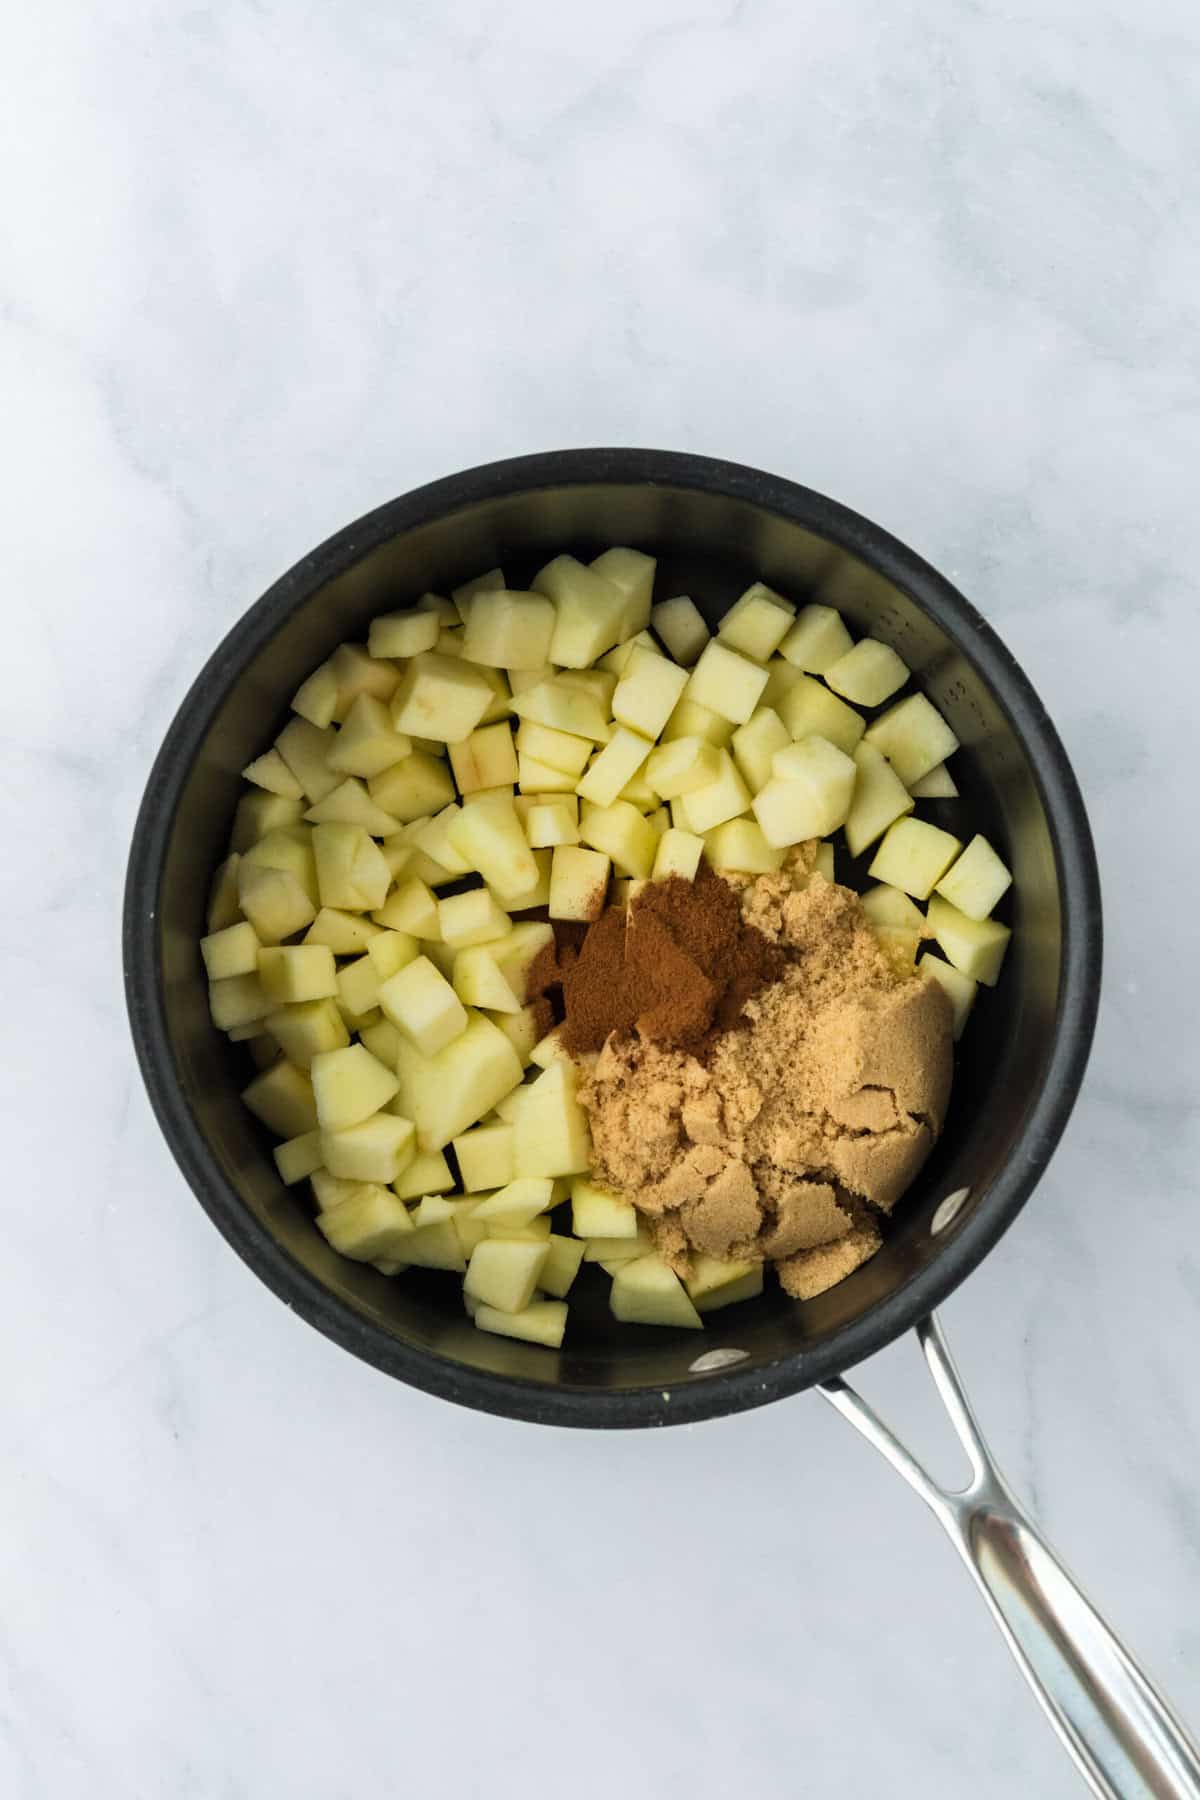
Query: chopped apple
point(880, 798)
point(551, 1134)
point(976, 947)
point(490, 582)
point(755, 743)
point(810, 710)
point(305, 750)
point(553, 822)
point(357, 672)
point(681, 766)
point(868, 674)
point(756, 624)
point(446, 1093)
point(958, 988)
point(316, 699)
point(679, 853)
point(344, 933)
point(421, 1003)
point(511, 630)
point(523, 1030)
point(479, 982)
point(288, 849)
point(486, 759)
point(391, 951)
point(382, 1039)
point(236, 1001)
point(521, 897)
point(436, 1247)
point(613, 1253)
point(223, 909)
point(681, 627)
point(939, 784)
point(485, 1157)
point(692, 720)
point(358, 986)
point(427, 1173)
point(283, 1098)
point(376, 1149)
point(273, 901)
point(434, 838)
point(589, 612)
point(726, 797)
point(616, 661)
point(298, 1158)
point(817, 640)
point(305, 1030)
point(412, 908)
point(597, 1212)
point(559, 750)
point(504, 1274)
point(886, 905)
point(648, 692)
point(561, 1265)
point(714, 1283)
point(565, 708)
point(633, 572)
point(414, 788)
point(269, 771)
point(614, 766)
point(233, 951)
point(621, 833)
point(518, 1202)
point(297, 972)
point(371, 1225)
point(403, 634)
point(810, 794)
point(329, 1191)
point(351, 872)
point(726, 683)
point(541, 778)
point(824, 863)
point(489, 836)
point(471, 918)
point(258, 814)
point(740, 844)
point(349, 1085)
point(975, 882)
point(351, 804)
point(914, 856)
point(914, 737)
point(366, 744)
point(646, 1292)
point(782, 677)
point(440, 697)
point(541, 1322)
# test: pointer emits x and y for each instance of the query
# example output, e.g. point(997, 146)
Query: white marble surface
point(266, 266)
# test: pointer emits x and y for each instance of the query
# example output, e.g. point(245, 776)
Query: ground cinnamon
point(674, 966)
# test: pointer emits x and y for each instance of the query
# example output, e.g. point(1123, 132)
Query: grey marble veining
point(263, 268)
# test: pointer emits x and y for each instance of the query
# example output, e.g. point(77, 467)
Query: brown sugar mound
point(786, 1139)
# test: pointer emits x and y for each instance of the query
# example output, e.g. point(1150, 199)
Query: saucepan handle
point(1124, 1738)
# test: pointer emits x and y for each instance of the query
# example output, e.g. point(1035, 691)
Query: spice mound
point(768, 1080)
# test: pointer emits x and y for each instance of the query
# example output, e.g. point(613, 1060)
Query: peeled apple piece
point(976, 947)
point(913, 736)
point(880, 798)
point(868, 674)
point(809, 795)
point(976, 881)
point(680, 625)
point(728, 684)
point(914, 856)
point(756, 624)
point(510, 630)
point(541, 1322)
point(817, 639)
point(632, 571)
point(646, 1292)
point(589, 612)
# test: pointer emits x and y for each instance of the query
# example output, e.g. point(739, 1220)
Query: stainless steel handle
point(1120, 1732)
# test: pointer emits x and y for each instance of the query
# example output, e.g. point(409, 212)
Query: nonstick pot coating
point(714, 527)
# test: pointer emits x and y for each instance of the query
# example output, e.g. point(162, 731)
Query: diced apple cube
point(714, 1283)
point(233, 951)
point(740, 844)
point(367, 744)
point(349, 1085)
point(269, 771)
point(726, 683)
point(646, 1292)
point(868, 674)
point(523, 1030)
point(976, 947)
point(681, 627)
point(415, 788)
point(371, 1225)
point(914, 737)
point(421, 1003)
point(880, 798)
point(486, 759)
point(692, 720)
point(504, 1274)
point(756, 624)
point(282, 1097)
point(563, 707)
point(958, 988)
point(824, 863)
point(726, 797)
point(553, 822)
point(316, 699)
point(478, 981)
point(886, 905)
point(391, 951)
point(403, 634)
point(412, 908)
point(914, 856)
point(258, 814)
point(648, 692)
point(434, 838)
point(551, 1135)
point(342, 932)
point(427, 1173)
point(351, 804)
point(471, 918)
point(541, 1322)
point(223, 909)
point(518, 1202)
point(810, 710)
point(561, 1265)
point(440, 697)
point(614, 766)
point(485, 1157)
point(679, 853)
point(681, 766)
point(555, 749)
point(490, 837)
point(376, 1149)
point(357, 672)
point(305, 1030)
point(298, 1158)
point(613, 1253)
point(435, 1247)
point(297, 972)
point(490, 582)
point(755, 743)
point(305, 749)
point(540, 778)
point(510, 630)
point(622, 834)
point(817, 640)
point(329, 1190)
point(810, 794)
point(273, 901)
point(939, 784)
point(288, 850)
point(976, 881)
point(782, 677)
point(597, 1212)
point(589, 612)
point(358, 986)
point(351, 872)
point(633, 572)
point(446, 1093)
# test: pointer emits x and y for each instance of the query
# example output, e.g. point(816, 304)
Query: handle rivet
point(949, 1210)
point(712, 1360)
